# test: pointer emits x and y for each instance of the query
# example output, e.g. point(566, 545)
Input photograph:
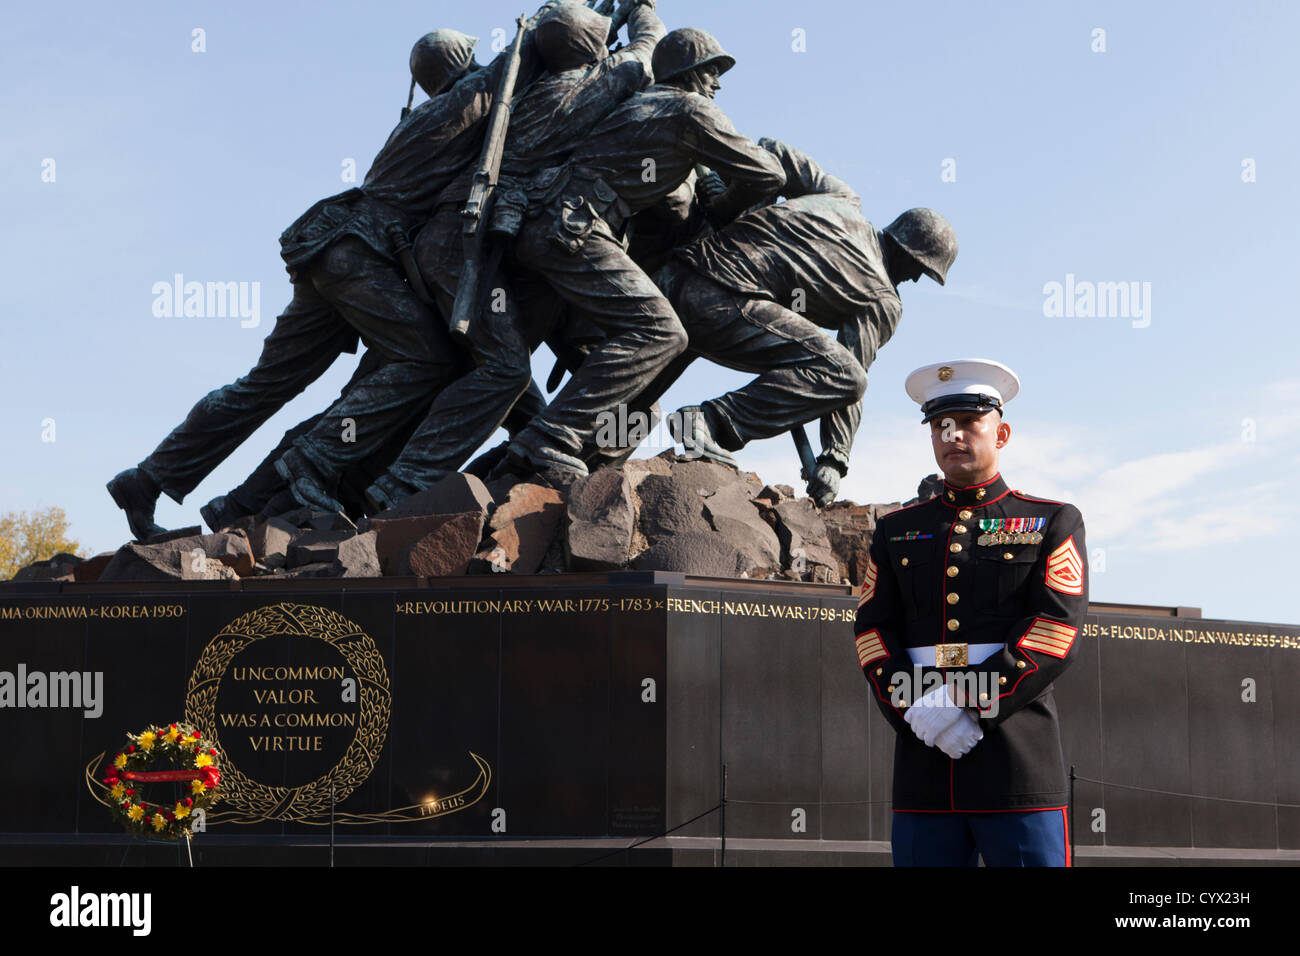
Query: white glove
point(959, 738)
point(932, 714)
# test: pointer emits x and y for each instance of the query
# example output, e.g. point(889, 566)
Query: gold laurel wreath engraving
point(258, 801)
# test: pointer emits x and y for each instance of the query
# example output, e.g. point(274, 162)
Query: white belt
point(975, 654)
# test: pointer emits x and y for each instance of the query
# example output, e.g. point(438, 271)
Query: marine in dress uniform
point(971, 605)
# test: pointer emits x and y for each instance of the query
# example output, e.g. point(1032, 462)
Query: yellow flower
point(119, 761)
point(183, 740)
point(182, 810)
point(159, 821)
point(146, 740)
point(136, 811)
point(117, 791)
point(171, 735)
point(202, 760)
point(197, 786)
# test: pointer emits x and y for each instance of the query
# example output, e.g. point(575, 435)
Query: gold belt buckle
point(950, 655)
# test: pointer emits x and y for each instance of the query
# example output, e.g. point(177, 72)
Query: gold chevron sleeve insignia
point(1050, 637)
point(1065, 569)
point(870, 647)
point(868, 583)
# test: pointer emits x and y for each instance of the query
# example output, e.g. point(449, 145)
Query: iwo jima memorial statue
point(375, 636)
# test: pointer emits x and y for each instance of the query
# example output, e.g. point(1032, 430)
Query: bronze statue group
point(593, 199)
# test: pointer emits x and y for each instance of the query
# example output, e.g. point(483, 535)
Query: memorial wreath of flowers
point(194, 764)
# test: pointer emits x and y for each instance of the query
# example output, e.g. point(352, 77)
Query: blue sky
point(1122, 165)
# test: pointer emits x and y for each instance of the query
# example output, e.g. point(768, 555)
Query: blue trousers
point(1027, 838)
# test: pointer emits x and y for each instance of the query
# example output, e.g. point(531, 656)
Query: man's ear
point(1004, 433)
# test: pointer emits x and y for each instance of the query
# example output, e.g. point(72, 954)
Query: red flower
point(212, 751)
point(130, 791)
point(170, 815)
point(173, 726)
point(210, 777)
point(130, 748)
point(196, 735)
point(189, 802)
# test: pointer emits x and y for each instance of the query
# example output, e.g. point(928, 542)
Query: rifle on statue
point(469, 290)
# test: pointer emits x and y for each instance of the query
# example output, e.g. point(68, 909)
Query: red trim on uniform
point(1065, 821)
point(871, 676)
point(943, 590)
point(1032, 669)
point(904, 508)
point(957, 505)
point(948, 484)
point(1044, 501)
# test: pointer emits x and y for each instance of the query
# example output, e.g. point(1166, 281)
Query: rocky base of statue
point(667, 513)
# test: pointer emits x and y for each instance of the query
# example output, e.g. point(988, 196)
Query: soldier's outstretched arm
point(752, 173)
point(1043, 643)
point(878, 626)
point(803, 177)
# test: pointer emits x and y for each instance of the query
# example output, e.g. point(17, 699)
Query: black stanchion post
point(1069, 815)
point(722, 818)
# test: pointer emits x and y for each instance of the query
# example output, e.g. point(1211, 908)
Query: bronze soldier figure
point(574, 237)
point(581, 86)
point(755, 295)
point(341, 257)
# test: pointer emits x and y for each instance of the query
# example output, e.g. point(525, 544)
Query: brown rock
point(61, 567)
point(670, 505)
point(395, 536)
point(703, 553)
point(190, 532)
point(232, 548)
point(455, 494)
point(447, 549)
point(357, 558)
point(804, 542)
point(270, 541)
point(314, 547)
point(521, 531)
point(601, 520)
point(194, 558)
point(92, 568)
point(733, 515)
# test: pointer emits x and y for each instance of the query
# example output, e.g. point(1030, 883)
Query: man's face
point(703, 80)
point(966, 445)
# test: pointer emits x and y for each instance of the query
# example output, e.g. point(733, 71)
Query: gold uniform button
point(879, 671)
point(951, 496)
point(1002, 680)
point(984, 698)
point(889, 689)
point(959, 529)
point(955, 547)
point(953, 598)
point(954, 624)
point(902, 704)
point(964, 514)
point(952, 572)
point(980, 494)
point(1007, 555)
point(1020, 663)
point(903, 562)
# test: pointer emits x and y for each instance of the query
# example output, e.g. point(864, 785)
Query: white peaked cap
point(962, 385)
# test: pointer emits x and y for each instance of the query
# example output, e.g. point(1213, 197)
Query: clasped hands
point(939, 722)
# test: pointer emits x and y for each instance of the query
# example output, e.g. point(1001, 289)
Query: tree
point(29, 537)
